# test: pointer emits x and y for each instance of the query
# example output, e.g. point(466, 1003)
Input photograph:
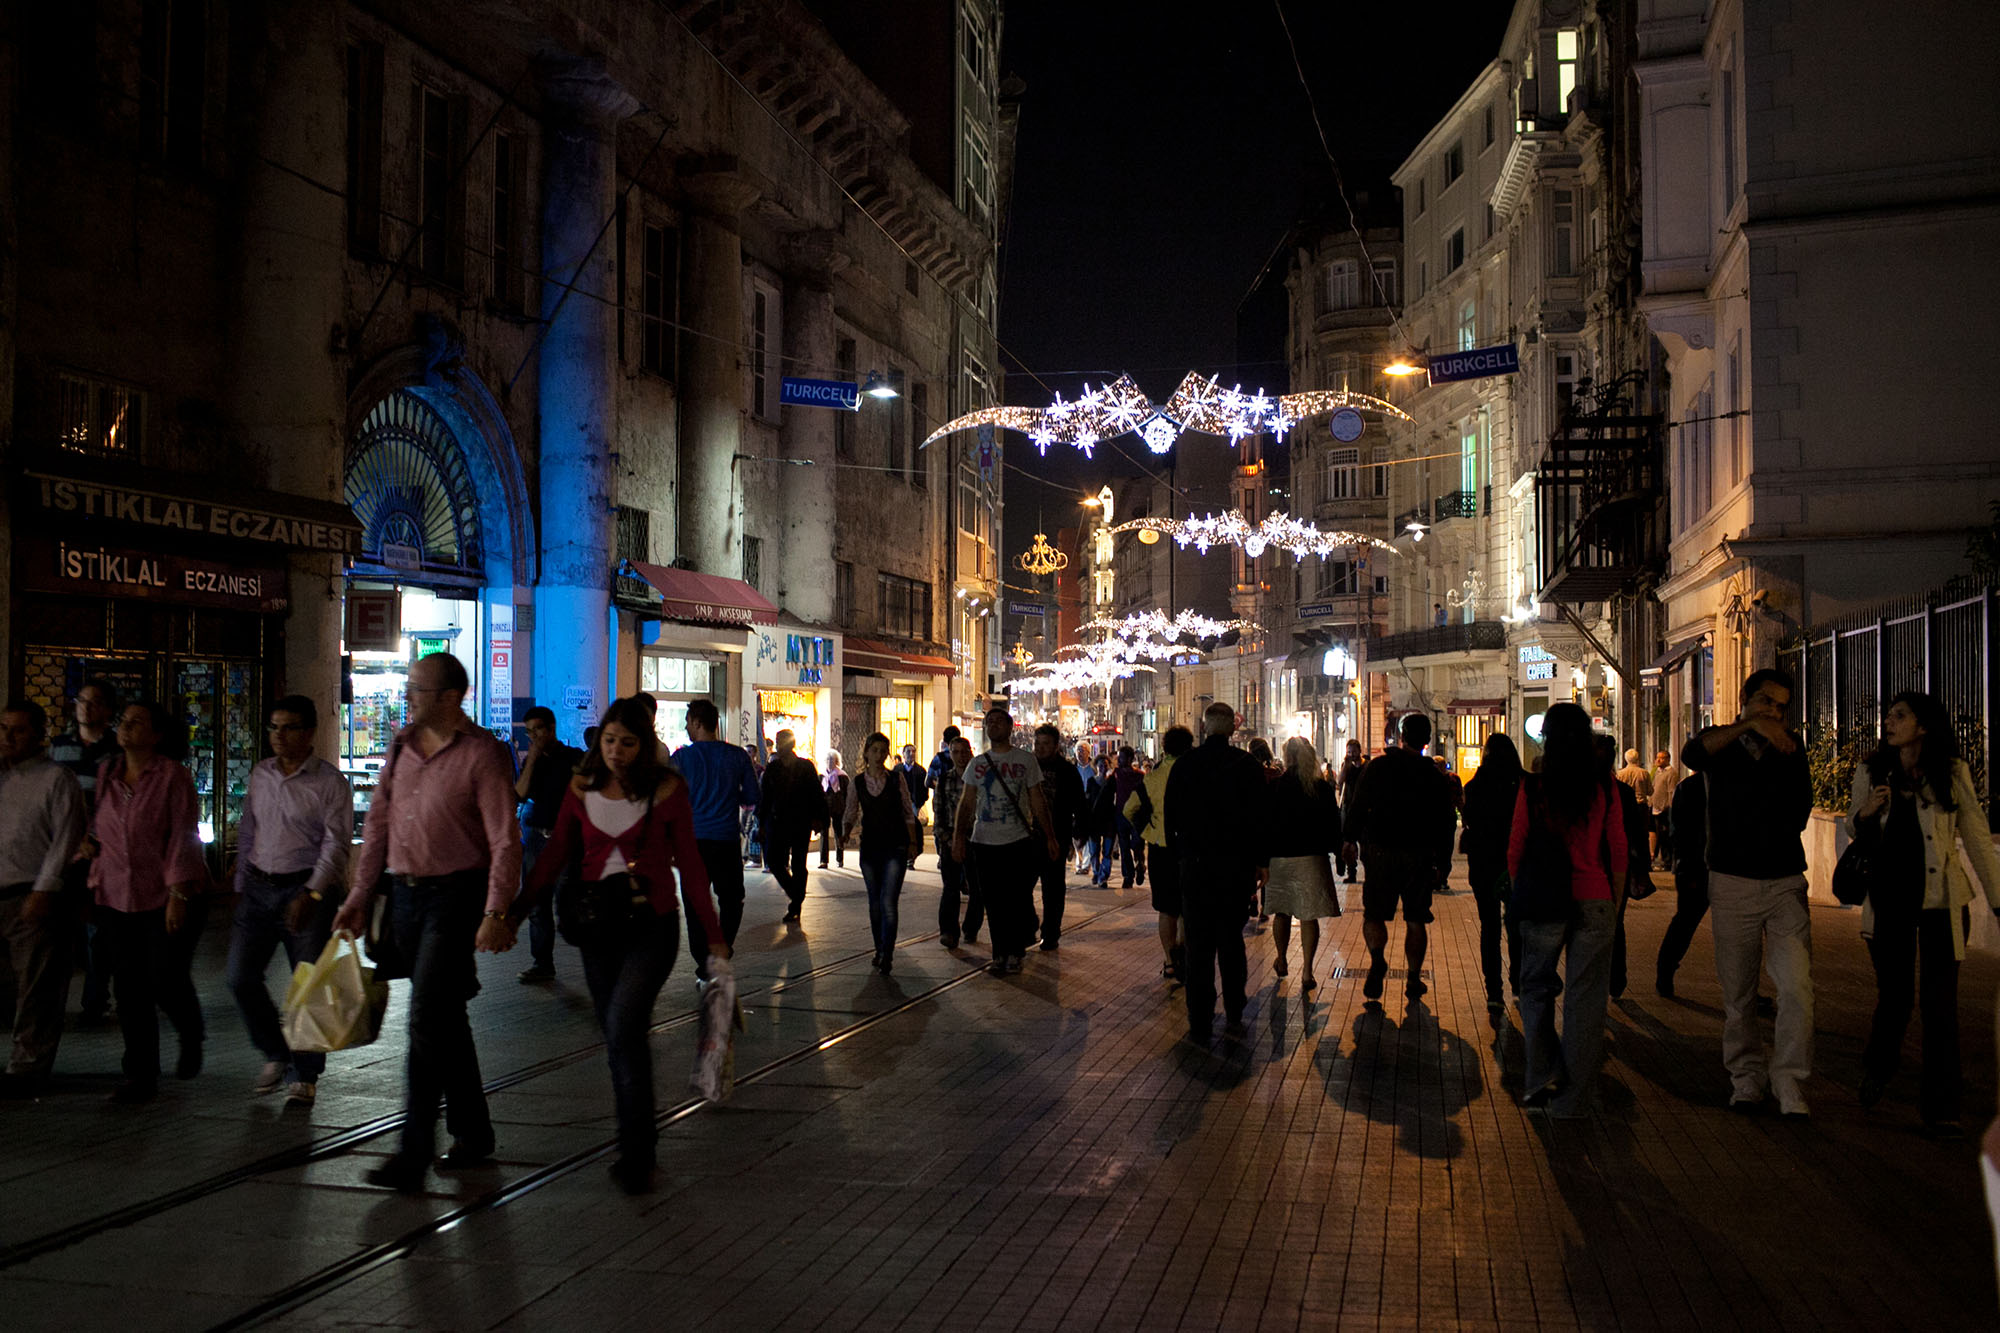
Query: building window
point(1562, 233)
point(753, 562)
point(364, 148)
point(173, 78)
point(1566, 378)
point(506, 205)
point(974, 49)
point(978, 172)
point(899, 445)
point(920, 429)
point(1454, 250)
point(1423, 277)
point(1378, 486)
point(1728, 138)
point(1489, 126)
point(910, 276)
point(634, 536)
point(1565, 68)
point(843, 422)
point(1492, 222)
point(903, 606)
point(1385, 281)
point(764, 352)
point(1343, 285)
point(1341, 479)
point(96, 416)
point(441, 229)
point(1454, 162)
point(1468, 460)
point(659, 290)
point(1468, 327)
point(843, 592)
point(1423, 196)
point(1738, 433)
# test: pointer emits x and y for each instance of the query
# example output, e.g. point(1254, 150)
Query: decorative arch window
point(408, 484)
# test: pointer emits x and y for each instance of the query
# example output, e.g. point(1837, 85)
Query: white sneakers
point(270, 1078)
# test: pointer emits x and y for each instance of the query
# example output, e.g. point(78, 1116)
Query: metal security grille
point(408, 485)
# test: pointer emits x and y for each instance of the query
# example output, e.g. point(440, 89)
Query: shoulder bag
point(601, 911)
point(1020, 811)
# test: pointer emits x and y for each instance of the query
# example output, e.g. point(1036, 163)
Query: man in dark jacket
point(1402, 819)
point(792, 805)
point(1759, 799)
point(1216, 823)
point(1064, 790)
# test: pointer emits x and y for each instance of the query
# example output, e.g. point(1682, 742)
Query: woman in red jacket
point(624, 827)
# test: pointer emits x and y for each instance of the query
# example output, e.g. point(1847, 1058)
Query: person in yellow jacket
point(1146, 808)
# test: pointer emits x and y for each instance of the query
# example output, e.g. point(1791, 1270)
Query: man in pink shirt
point(442, 825)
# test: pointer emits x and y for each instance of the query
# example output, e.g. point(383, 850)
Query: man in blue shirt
point(721, 783)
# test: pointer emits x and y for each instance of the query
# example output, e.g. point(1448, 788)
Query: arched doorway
point(432, 475)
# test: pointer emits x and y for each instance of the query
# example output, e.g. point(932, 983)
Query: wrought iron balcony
point(1600, 506)
point(1456, 504)
point(1479, 636)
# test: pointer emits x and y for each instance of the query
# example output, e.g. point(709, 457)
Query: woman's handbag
point(1851, 874)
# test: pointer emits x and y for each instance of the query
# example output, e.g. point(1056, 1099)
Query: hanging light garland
point(1157, 625)
point(1041, 559)
point(1076, 673)
point(1232, 529)
point(1199, 405)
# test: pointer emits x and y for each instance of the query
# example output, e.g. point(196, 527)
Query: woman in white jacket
point(1913, 804)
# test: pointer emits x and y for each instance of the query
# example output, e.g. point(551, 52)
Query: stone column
point(577, 386)
point(708, 520)
point(807, 488)
point(287, 390)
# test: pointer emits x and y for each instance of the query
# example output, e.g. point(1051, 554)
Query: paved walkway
point(943, 1149)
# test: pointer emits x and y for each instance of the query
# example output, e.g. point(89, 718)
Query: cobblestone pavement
point(942, 1149)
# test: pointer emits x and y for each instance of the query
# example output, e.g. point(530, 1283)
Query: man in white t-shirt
point(1003, 823)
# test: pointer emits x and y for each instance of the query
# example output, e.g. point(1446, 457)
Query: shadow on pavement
point(1416, 1075)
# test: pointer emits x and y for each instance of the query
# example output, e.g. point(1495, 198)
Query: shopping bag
point(335, 1003)
point(715, 1049)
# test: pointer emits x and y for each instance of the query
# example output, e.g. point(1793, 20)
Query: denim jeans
point(436, 921)
point(542, 916)
point(1100, 858)
point(260, 928)
point(957, 884)
point(154, 973)
point(1582, 945)
point(625, 980)
point(1131, 854)
point(722, 858)
point(1493, 923)
point(882, 874)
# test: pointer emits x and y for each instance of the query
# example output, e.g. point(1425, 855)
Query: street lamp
point(1404, 364)
point(878, 386)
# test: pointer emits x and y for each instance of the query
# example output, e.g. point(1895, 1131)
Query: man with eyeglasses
point(442, 825)
point(291, 867)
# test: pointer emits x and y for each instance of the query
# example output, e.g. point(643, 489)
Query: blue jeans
point(1100, 858)
point(957, 885)
point(435, 921)
point(624, 980)
point(1583, 944)
point(260, 928)
point(541, 917)
point(883, 876)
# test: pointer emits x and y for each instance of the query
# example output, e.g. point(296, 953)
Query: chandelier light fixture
point(1041, 558)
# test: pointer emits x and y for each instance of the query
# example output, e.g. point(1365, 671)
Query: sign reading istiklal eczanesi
point(71, 497)
point(60, 566)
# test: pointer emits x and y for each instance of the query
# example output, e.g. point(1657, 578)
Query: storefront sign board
point(288, 523)
point(374, 620)
point(78, 569)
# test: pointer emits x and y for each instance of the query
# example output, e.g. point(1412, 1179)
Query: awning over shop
point(707, 599)
point(1490, 707)
point(874, 655)
point(1671, 658)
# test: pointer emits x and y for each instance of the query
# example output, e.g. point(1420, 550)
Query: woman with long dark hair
point(1913, 804)
point(625, 827)
point(890, 840)
point(1489, 821)
point(1305, 830)
point(1567, 857)
point(149, 880)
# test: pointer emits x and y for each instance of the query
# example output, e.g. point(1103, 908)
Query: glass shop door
point(216, 700)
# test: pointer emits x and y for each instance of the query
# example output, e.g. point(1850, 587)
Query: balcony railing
point(1456, 504)
point(1600, 506)
point(1480, 635)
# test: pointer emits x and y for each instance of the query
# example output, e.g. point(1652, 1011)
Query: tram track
point(332, 1145)
point(313, 1286)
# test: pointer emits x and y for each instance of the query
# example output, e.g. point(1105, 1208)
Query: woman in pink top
point(1566, 860)
point(149, 878)
point(625, 826)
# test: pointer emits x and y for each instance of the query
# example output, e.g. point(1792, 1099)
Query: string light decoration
point(1232, 529)
point(1199, 405)
point(1076, 673)
point(1158, 626)
point(1041, 559)
point(1469, 593)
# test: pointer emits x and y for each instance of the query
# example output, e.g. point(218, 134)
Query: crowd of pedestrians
point(103, 874)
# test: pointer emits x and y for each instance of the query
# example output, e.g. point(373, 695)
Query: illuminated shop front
point(894, 691)
point(793, 670)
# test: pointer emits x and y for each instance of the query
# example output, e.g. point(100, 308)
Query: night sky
point(1159, 163)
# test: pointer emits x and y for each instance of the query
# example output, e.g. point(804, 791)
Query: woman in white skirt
point(1305, 831)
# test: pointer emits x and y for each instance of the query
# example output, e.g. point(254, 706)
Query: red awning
point(874, 655)
point(708, 599)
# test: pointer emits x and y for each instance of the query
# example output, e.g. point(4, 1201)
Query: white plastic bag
point(715, 1050)
point(335, 1003)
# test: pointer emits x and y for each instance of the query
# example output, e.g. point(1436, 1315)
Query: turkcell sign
point(1315, 610)
point(1477, 364)
point(842, 395)
point(1026, 609)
